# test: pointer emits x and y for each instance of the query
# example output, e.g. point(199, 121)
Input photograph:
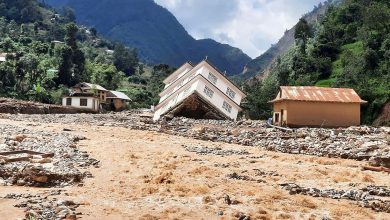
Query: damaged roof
point(318, 94)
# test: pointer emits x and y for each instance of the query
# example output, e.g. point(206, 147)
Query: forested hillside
point(154, 31)
point(261, 65)
point(349, 48)
point(47, 53)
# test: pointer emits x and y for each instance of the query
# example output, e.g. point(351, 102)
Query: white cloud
point(251, 25)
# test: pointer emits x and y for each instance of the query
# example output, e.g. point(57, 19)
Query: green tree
point(125, 59)
point(65, 67)
point(302, 33)
point(70, 35)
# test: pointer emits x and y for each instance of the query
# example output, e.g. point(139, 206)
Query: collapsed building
point(200, 92)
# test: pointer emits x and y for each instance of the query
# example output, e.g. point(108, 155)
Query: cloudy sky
point(251, 25)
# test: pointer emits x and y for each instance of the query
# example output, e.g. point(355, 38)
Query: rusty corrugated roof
point(318, 94)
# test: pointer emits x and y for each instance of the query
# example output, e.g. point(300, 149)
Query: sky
point(251, 25)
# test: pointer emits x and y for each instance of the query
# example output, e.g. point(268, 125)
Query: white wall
point(76, 102)
point(217, 100)
point(222, 84)
point(177, 88)
point(199, 85)
point(184, 92)
point(185, 80)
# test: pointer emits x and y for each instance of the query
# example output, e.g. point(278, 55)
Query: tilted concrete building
point(297, 106)
point(199, 91)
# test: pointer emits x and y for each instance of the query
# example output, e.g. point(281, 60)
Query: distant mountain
point(261, 65)
point(154, 31)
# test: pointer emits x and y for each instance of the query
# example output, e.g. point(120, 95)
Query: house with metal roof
point(316, 107)
point(117, 100)
point(95, 97)
point(199, 91)
point(86, 95)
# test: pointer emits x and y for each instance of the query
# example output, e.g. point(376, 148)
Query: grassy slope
point(337, 67)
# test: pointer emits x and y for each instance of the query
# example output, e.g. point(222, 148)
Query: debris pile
point(40, 158)
point(39, 206)
point(374, 197)
point(216, 151)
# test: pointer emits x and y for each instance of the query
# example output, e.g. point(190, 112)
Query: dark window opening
point(83, 102)
point(68, 101)
point(276, 117)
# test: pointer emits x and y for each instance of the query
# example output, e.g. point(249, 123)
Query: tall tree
point(77, 56)
point(302, 33)
point(125, 59)
point(65, 68)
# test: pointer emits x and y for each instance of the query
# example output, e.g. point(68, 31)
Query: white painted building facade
point(205, 81)
point(86, 95)
point(81, 102)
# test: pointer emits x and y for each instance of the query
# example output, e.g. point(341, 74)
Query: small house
point(316, 107)
point(86, 95)
point(117, 100)
point(199, 91)
point(5, 56)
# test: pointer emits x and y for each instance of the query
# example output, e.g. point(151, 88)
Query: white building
point(199, 91)
point(88, 102)
point(86, 95)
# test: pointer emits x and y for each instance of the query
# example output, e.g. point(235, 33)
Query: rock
point(42, 160)
point(20, 137)
point(41, 179)
point(227, 199)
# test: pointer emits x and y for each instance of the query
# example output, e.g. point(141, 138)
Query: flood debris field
point(41, 159)
point(190, 169)
point(359, 143)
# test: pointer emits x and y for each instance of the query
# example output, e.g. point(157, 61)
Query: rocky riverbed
point(187, 169)
point(374, 197)
point(23, 168)
point(359, 143)
point(45, 205)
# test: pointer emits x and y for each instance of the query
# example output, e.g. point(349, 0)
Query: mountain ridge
point(154, 31)
point(261, 65)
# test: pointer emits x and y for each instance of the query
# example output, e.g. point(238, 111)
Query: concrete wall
point(222, 84)
point(198, 85)
point(92, 103)
point(316, 114)
point(217, 100)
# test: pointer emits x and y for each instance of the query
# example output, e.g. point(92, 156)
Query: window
point(227, 107)
point(230, 93)
point(68, 101)
point(83, 102)
point(208, 92)
point(212, 78)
